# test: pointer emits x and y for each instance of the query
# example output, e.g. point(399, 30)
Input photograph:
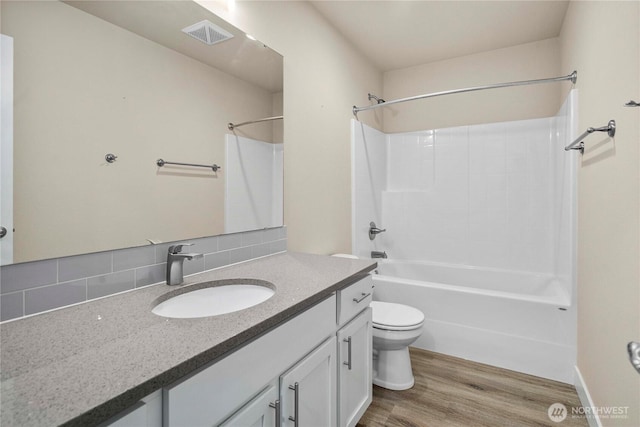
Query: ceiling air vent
point(207, 32)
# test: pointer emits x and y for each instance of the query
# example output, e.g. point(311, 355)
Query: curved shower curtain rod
point(573, 77)
point(232, 126)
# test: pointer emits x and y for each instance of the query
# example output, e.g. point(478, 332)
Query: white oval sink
point(213, 301)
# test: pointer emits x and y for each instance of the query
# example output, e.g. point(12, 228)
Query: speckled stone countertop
point(84, 364)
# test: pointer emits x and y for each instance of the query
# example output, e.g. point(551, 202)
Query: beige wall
point(85, 88)
point(324, 76)
point(602, 41)
point(524, 62)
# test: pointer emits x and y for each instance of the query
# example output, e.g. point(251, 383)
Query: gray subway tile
point(262, 249)
point(238, 255)
point(55, 296)
point(28, 275)
point(87, 265)
point(11, 306)
point(250, 238)
point(229, 241)
point(108, 284)
point(151, 274)
point(278, 246)
point(216, 260)
point(204, 245)
point(271, 234)
point(283, 232)
point(193, 266)
point(125, 259)
point(161, 251)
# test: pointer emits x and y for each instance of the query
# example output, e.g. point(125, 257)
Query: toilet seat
point(395, 317)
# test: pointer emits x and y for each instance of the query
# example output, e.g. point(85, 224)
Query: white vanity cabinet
point(313, 370)
point(305, 395)
point(145, 413)
point(308, 390)
point(354, 352)
point(354, 369)
point(223, 389)
point(263, 411)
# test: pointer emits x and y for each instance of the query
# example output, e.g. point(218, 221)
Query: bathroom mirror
point(102, 90)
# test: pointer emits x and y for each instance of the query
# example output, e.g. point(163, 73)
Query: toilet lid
point(391, 315)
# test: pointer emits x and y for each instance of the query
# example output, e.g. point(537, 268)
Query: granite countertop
point(84, 364)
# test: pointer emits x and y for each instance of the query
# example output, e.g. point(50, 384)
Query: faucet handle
point(176, 249)
point(373, 230)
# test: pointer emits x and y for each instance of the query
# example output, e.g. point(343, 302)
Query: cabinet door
point(354, 369)
point(216, 392)
point(260, 412)
point(146, 413)
point(308, 390)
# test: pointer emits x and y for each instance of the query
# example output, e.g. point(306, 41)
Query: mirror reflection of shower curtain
point(253, 184)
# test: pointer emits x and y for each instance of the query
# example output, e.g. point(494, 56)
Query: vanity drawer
point(353, 299)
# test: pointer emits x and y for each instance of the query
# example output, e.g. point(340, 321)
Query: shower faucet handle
point(374, 231)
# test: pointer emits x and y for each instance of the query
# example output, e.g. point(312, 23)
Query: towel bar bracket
point(578, 143)
point(579, 147)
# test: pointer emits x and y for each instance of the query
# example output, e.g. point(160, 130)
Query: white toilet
point(395, 327)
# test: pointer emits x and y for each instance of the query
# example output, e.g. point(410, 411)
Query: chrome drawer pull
point(364, 296)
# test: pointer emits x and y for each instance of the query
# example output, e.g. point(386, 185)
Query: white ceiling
point(400, 34)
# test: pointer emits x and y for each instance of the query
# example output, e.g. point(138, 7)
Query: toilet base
point(393, 369)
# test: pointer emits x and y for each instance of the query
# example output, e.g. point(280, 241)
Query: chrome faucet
point(374, 231)
point(175, 260)
point(378, 254)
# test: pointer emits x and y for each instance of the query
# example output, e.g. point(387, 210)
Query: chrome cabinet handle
point(276, 406)
point(296, 392)
point(348, 362)
point(364, 296)
point(3, 232)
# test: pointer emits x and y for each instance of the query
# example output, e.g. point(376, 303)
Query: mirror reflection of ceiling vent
point(207, 32)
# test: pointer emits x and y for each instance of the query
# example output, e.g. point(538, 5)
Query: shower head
point(378, 100)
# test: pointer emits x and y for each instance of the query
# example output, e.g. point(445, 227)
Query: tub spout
point(378, 254)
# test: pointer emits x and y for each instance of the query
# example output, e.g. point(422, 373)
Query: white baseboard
point(585, 399)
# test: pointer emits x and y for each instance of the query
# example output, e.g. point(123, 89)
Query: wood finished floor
point(452, 392)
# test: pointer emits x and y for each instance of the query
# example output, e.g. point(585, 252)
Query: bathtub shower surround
point(480, 236)
point(254, 184)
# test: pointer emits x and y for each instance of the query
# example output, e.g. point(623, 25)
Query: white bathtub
point(514, 320)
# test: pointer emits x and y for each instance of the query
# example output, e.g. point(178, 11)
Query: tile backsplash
point(38, 286)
